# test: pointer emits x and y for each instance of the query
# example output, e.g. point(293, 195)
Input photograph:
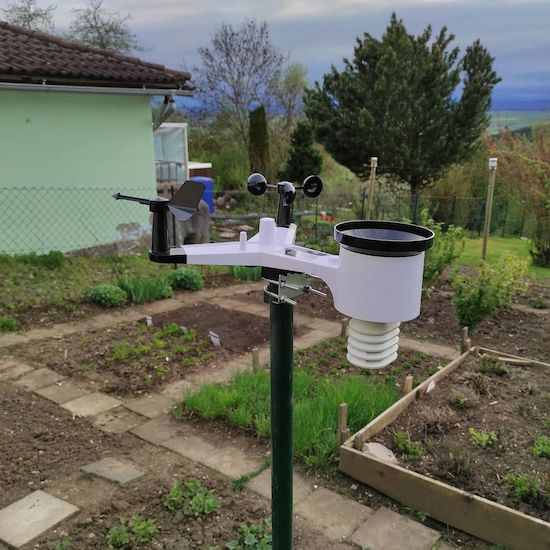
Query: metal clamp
point(289, 287)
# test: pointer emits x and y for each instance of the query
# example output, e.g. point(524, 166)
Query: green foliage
point(118, 536)
point(246, 273)
point(303, 160)
point(65, 544)
point(447, 247)
point(409, 449)
point(193, 499)
point(482, 439)
point(258, 142)
point(493, 288)
point(141, 290)
point(7, 324)
point(491, 365)
point(51, 260)
point(106, 295)
point(523, 487)
point(542, 446)
point(240, 483)
point(123, 351)
point(185, 279)
point(414, 78)
point(245, 402)
point(252, 536)
point(143, 530)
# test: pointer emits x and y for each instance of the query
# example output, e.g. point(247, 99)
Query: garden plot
point(134, 358)
point(41, 442)
point(509, 330)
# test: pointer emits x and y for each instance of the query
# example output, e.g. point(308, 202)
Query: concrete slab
point(158, 430)
point(336, 516)
point(15, 371)
point(226, 459)
point(387, 530)
point(63, 391)
point(92, 404)
point(31, 516)
point(118, 420)
point(39, 379)
point(150, 406)
point(176, 390)
point(7, 364)
point(262, 485)
point(114, 470)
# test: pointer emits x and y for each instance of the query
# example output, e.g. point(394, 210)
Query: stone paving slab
point(39, 379)
point(92, 404)
point(176, 390)
point(158, 430)
point(150, 406)
point(31, 516)
point(13, 372)
point(63, 391)
point(226, 459)
point(387, 530)
point(336, 516)
point(7, 364)
point(118, 420)
point(114, 470)
point(261, 484)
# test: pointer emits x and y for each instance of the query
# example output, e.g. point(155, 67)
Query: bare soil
point(41, 442)
point(510, 330)
point(514, 404)
point(133, 358)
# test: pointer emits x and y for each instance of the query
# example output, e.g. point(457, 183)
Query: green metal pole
point(281, 424)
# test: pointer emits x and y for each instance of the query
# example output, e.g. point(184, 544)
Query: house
point(75, 127)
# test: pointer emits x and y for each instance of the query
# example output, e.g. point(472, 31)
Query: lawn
point(501, 246)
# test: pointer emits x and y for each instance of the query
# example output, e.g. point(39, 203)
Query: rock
point(381, 452)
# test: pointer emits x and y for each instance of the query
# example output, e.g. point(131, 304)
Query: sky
point(319, 33)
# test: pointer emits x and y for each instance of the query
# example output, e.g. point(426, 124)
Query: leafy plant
point(523, 487)
point(141, 290)
point(494, 287)
point(491, 365)
point(144, 530)
point(64, 544)
point(252, 536)
point(52, 260)
point(246, 273)
point(482, 439)
point(193, 498)
point(409, 449)
point(447, 247)
point(185, 279)
point(123, 351)
point(542, 446)
point(7, 324)
point(106, 295)
point(118, 536)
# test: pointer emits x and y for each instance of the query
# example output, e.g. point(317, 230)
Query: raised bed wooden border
point(470, 513)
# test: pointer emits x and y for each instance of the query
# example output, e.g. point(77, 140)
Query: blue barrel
point(208, 195)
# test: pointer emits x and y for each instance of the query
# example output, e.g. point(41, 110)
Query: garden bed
point(134, 358)
point(509, 330)
point(475, 433)
point(42, 442)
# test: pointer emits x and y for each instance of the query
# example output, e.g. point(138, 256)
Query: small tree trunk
point(414, 203)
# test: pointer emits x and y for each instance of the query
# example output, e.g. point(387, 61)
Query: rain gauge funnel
point(376, 280)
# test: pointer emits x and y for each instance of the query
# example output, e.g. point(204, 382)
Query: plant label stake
point(375, 280)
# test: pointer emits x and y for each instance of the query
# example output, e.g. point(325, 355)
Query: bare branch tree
point(238, 69)
point(94, 26)
point(289, 92)
point(27, 14)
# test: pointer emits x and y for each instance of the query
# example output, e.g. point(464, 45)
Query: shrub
point(447, 247)
point(494, 287)
point(523, 487)
point(143, 530)
point(106, 295)
point(482, 439)
point(185, 279)
point(409, 449)
point(246, 273)
point(52, 260)
point(542, 446)
point(118, 536)
point(141, 290)
point(7, 324)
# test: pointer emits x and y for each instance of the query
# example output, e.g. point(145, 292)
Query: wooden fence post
point(255, 359)
point(466, 343)
point(371, 187)
point(343, 430)
point(408, 384)
point(489, 205)
point(344, 328)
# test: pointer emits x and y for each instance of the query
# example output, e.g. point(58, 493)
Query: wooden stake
point(344, 330)
point(489, 205)
point(504, 354)
point(370, 187)
point(408, 384)
point(255, 359)
point(343, 430)
point(466, 343)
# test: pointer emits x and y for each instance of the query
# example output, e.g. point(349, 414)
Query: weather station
point(375, 280)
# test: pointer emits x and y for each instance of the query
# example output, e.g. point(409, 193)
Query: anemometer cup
point(312, 186)
point(257, 184)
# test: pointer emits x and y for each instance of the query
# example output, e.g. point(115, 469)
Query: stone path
point(340, 519)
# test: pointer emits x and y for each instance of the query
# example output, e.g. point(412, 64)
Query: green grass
point(499, 247)
point(244, 402)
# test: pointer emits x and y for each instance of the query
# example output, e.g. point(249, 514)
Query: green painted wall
point(62, 156)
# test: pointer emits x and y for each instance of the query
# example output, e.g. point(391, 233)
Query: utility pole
point(489, 205)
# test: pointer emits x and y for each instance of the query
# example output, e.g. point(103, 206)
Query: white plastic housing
point(372, 345)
